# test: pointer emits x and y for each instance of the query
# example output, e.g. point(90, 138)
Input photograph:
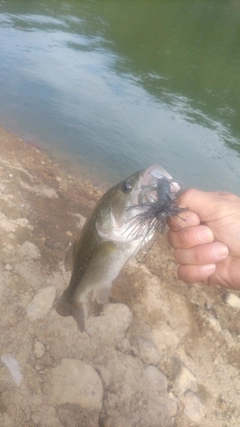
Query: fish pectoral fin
point(70, 256)
point(101, 294)
point(66, 308)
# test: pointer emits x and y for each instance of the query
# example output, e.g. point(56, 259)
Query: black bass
point(123, 221)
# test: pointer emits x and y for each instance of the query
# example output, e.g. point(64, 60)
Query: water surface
point(116, 85)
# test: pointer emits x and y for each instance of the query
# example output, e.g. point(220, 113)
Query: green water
point(116, 85)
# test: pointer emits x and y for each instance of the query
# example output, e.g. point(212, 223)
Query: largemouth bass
point(123, 221)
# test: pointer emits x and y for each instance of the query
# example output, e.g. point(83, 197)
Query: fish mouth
point(156, 203)
point(158, 185)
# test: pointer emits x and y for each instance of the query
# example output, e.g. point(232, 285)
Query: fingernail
point(205, 235)
point(219, 251)
point(208, 269)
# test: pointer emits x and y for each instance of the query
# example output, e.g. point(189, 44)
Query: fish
point(123, 221)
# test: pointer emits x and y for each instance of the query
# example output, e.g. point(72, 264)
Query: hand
point(207, 238)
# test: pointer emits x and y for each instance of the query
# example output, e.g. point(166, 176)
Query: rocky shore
point(162, 354)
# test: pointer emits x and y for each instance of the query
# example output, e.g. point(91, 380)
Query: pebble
point(23, 222)
point(39, 349)
point(77, 383)
point(8, 267)
point(9, 248)
point(214, 323)
point(194, 408)
point(29, 250)
point(156, 377)
point(41, 303)
point(13, 366)
point(36, 419)
point(208, 305)
point(146, 349)
point(233, 300)
point(6, 224)
point(184, 381)
point(80, 220)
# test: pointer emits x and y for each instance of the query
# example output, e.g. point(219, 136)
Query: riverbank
point(161, 353)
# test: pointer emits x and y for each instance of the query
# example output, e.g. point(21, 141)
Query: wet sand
point(160, 354)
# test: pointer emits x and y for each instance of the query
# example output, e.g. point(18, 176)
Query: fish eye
point(126, 187)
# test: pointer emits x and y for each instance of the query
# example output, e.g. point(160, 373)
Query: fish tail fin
point(66, 308)
point(77, 313)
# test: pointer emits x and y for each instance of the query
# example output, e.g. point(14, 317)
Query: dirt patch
point(161, 353)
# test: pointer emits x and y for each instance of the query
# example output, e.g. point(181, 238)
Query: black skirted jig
point(160, 205)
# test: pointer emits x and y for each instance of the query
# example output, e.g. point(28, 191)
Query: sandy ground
point(161, 354)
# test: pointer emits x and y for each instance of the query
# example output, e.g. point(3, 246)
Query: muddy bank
point(161, 354)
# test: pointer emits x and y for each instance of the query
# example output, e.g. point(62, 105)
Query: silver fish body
point(109, 238)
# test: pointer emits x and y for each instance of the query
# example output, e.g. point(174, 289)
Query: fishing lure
point(156, 211)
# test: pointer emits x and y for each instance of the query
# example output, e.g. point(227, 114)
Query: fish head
point(127, 199)
point(114, 207)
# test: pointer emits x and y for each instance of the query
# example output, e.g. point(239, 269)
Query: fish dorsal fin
point(70, 256)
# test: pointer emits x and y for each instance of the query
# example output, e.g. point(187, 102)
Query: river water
point(114, 86)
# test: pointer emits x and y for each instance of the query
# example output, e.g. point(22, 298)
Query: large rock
point(41, 303)
point(77, 383)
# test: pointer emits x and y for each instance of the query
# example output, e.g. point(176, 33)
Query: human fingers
point(184, 220)
point(206, 204)
point(195, 273)
point(209, 253)
point(190, 237)
point(226, 274)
